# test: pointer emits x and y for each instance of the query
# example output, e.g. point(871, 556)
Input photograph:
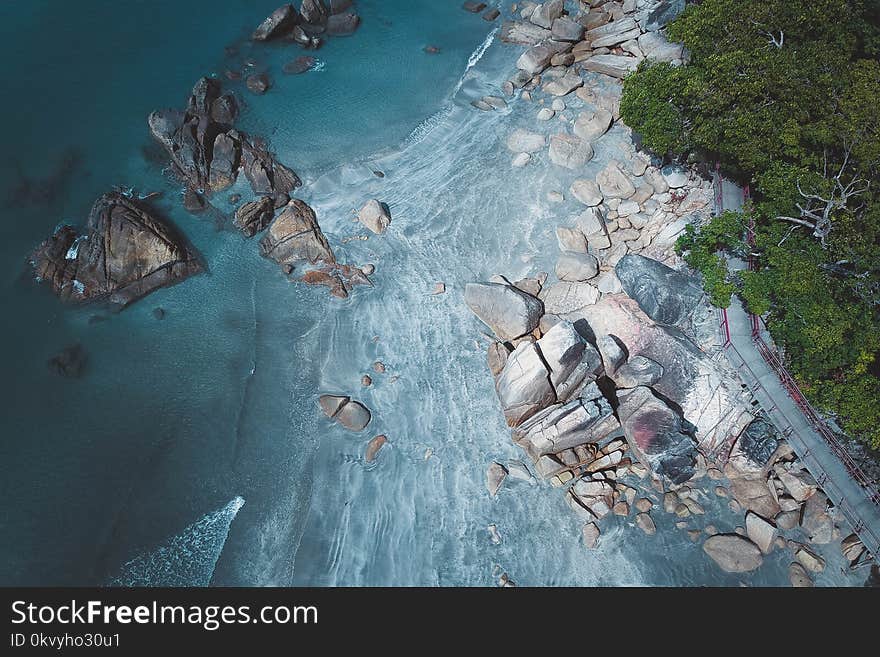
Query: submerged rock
point(70, 362)
point(374, 446)
point(126, 252)
point(299, 65)
point(295, 235)
point(508, 311)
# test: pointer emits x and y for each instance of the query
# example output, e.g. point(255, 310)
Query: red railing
point(788, 382)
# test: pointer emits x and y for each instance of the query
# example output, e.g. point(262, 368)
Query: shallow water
point(133, 473)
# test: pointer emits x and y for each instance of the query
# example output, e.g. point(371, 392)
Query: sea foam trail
point(475, 58)
point(187, 559)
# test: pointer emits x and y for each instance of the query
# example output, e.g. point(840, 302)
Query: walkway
point(785, 406)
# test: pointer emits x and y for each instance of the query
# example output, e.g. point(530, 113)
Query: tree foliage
point(786, 95)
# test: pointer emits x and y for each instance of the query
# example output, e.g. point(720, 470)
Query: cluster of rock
point(126, 251)
point(784, 509)
point(602, 374)
point(609, 37)
point(207, 152)
point(305, 27)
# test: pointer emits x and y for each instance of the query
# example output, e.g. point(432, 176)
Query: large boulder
point(314, 12)
point(617, 66)
point(570, 151)
point(375, 216)
point(126, 252)
point(709, 397)
point(573, 361)
point(295, 236)
point(663, 14)
point(733, 553)
point(588, 193)
point(576, 266)
point(523, 387)
point(535, 59)
point(614, 183)
point(656, 435)
point(565, 426)
point(565, 29)
point(266, 174)
point(592, 125)
point(507, 310)
point(277, 23)
point(665, 295)
point(343, 24)
point(567, 297)
point(546, 13)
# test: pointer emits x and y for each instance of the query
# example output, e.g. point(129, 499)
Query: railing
point(814, 419)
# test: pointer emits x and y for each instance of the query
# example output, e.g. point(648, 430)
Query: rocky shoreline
point(606, 370)
point(610, 375)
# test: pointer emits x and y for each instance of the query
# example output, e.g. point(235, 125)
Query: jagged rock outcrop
point(126, 252)
point(207, 153)
point(565, 426)
point(295, 235)
point(656, 434)
point(707, 397)
point(573, 362)
point(523, 387)
point(277, 23)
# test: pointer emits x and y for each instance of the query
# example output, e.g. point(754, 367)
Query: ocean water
point(192, 450)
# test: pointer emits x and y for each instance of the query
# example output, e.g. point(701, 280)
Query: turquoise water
point(136, 472)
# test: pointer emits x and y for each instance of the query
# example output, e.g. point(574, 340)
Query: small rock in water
point(234, 198)
point(644, 505)
point(375, 216)
point(494, 534)
point(379, 367)
point(798, 576)
point(258, 83)
point(432, 50)
point(287, 268)
point(646, 524)
point(429, 453)
point(70, 363)
point(159, 313)
point(555, 197)
point(298, 65)
point(374, 446)
point(366, 380)
point(439, 288)
point(520, 160)
point(379, 174)
point(591, 535)
point(495, 476)
point(545, 114)
point(354, 416)
point(331, 404)
point(368, 269)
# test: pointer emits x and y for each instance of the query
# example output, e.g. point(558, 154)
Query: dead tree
point(816, 209)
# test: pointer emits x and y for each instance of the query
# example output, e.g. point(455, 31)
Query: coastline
point(432, 367)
